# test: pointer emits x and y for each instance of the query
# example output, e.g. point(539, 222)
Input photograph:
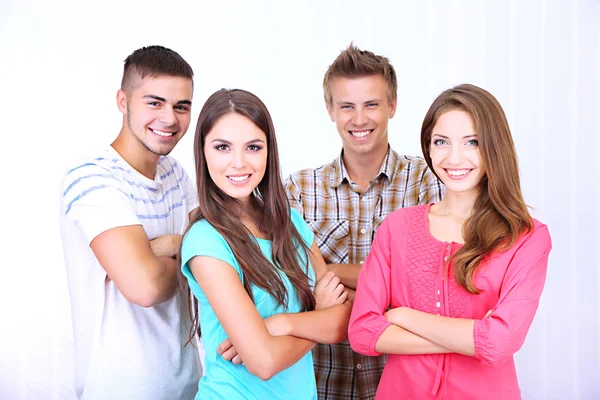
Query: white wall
point(60, 68)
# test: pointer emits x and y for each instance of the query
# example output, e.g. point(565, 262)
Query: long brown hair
point(499, 214)
point(222, 211)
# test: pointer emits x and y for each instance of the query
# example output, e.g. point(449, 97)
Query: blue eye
point(439, 142)
point(473, 142)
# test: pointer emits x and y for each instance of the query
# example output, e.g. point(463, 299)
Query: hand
point(229, 353)
point(166, 246)
point(329, 291)
point(277, 325)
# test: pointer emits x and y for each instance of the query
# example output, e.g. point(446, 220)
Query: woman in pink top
point(449, 290)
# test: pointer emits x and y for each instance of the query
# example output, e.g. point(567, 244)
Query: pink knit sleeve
point(502, 333)
point(367, 322)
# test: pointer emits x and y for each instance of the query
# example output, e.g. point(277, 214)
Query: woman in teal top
point(251, 263)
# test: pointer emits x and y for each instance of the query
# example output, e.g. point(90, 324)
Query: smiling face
point(157, 113)
point(236, 155)
point(454, 152)
point(361, 110)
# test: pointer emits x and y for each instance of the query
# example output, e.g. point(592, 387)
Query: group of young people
point(378, 275)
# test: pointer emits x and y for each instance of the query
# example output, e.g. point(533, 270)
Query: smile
point(458, 173)
point(162, 133)
point(361, 134)
point(239, 179)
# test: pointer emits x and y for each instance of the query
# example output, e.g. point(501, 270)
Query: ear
point(122, 101)
point(330, 111)
point(393, 108)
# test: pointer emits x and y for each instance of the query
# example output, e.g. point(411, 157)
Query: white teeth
point(161, 133)
point(238, 178)
point(458, 172)
point(360, 133)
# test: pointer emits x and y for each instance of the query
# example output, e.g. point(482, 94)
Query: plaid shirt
point(344, 221)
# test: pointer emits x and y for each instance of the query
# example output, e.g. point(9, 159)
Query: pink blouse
point(405, 268)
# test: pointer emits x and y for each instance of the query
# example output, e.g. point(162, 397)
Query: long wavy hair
point(499, 214)
point(223, 211)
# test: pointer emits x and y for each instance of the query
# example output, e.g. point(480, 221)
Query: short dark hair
point(153, 61)
point(356, 63)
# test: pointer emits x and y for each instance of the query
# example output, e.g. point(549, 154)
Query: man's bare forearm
point(348, 273)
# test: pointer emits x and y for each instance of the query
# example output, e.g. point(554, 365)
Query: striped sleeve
point(94, 200)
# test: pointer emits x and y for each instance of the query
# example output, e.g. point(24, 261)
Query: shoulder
point(538, 238)
point(98, 169)
point(321, 173)
point(202, 230)
point(408, 215)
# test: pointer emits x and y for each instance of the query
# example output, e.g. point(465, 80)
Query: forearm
point(454, 334)
point(163, 280)
point(348, 273)
point(397, 340)
point(328, 325)
point(166, 246)
point(288, 350)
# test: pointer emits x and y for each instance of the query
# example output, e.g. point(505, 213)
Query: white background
point(61, 65)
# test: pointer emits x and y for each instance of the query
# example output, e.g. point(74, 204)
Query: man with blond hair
point(344, 202)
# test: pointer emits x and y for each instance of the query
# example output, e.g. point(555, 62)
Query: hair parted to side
point(153, 61)
point(500, 214)
point(356, 63)
point(222, 211)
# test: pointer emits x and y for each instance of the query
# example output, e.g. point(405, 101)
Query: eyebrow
point(228, 142)
point(375, 100)
point(446, 137)
point(151, 96)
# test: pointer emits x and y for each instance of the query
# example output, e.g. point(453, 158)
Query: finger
point(334, 281)
point(237, 359)
point(343, 297)
point(225, 345)
point(338, 289)
point(325, 279)
point(229, 354)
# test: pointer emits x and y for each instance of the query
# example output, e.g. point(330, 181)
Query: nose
point(168, 116)
point(238, 159)
point(359, 117)
point(456, 154)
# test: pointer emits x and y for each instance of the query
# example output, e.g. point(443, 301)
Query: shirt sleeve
point(373, 296)
point(431, 189)
point(502, 333)
point(204, 240)
point(95, 200)
point(293, 194)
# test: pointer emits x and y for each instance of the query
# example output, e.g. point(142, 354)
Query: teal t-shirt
point(223, 379)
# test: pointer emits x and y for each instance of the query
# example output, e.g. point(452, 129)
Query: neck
point(363, 168)
point(459, 205)
point(135, 154)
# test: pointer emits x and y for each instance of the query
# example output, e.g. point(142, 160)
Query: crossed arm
point(269, 346)
point(145, 271)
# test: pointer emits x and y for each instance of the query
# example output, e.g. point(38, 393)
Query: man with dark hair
point(344, 202)
point(123, 211)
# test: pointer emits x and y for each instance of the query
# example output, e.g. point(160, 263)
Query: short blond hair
point(356, 63)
